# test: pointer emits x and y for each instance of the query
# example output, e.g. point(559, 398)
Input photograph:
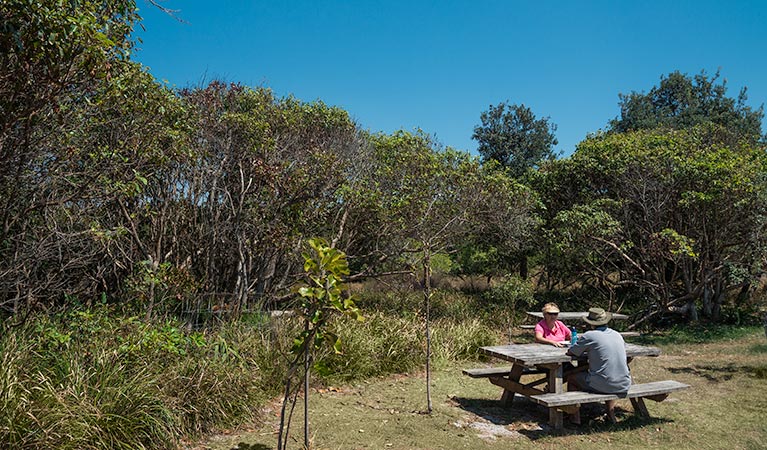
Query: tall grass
point(89, 380)
point(96, 379)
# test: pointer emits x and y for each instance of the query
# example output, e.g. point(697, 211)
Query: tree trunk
point(523, 267)
point(306, 390)
point(692, 310)
point(707, 301)
point(427, 305)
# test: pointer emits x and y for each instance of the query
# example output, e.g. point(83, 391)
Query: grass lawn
point(725, 408)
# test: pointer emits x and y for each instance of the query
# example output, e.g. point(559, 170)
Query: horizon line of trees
point(113, 186)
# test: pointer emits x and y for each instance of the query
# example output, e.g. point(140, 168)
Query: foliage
point(90, 378)
point(681, 102)
point(321, 296)
point(664, 211)
point(513, 294)
point(511, 135)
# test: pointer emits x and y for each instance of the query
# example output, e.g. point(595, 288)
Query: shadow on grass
point(758, 348)
point(717, 374)
point(627, 421)
point(593, 417)
point(244, 446)
point(494, 412)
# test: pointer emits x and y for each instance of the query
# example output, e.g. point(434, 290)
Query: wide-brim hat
point(550, 308)
point(597, 316)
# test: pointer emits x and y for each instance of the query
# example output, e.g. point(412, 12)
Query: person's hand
point(559, 344)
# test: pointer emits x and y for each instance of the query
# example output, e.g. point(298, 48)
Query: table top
point(532, 354)
point(570, 315)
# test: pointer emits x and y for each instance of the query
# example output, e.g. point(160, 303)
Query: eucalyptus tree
point(435, 198)
point(265, 175)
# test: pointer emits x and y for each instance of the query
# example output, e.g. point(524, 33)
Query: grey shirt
point(608, 370)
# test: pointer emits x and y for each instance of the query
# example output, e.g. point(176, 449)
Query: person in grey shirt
point(606, 351)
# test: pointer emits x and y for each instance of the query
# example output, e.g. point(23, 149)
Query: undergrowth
point(92, 378)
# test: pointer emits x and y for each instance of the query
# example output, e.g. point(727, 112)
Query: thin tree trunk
point(306, 389)
point(427, 305)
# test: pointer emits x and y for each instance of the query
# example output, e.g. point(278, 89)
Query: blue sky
point(436, 65)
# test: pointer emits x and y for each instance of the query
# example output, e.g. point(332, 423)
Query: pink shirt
point(559, 333)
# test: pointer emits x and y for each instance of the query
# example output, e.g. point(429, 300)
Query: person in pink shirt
point(550, 330)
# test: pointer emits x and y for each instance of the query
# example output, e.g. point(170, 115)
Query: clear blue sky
point(436, 65)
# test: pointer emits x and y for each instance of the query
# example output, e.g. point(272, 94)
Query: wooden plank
point(527, 327)
point(654, 390)
point(537, 354)
point(515, 386)
point(508, 395)
point(571, 398)
point(639, 407)
point(487, 372)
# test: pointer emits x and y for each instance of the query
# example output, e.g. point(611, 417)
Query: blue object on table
point(573, 335)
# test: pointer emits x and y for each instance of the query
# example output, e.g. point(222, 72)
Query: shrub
point(379, 346)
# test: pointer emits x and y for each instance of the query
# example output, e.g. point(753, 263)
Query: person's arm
point(542, 340)
point(580, 346)
point(568, 333)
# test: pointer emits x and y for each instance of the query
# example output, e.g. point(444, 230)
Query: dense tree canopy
point(681, 101)
point(514, 137)
point(672, 213)
point(114, 186)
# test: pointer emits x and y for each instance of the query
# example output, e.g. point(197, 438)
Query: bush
point(379, 346)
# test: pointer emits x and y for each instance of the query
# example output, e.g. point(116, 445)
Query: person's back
point(608, 370)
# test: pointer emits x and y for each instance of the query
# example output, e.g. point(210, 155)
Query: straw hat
point(550, 308)
point(597, 317)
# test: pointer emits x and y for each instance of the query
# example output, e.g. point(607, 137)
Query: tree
point(511, 135)
point(434, 199)
point(58, 61)
point(675, 214)
point(322, 297)
point(681, 101)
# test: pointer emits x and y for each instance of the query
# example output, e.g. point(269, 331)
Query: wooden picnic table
point(573, 315)
point(555, 365)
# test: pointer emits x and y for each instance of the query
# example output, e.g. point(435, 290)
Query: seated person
point(550, 330)
point(608, 371)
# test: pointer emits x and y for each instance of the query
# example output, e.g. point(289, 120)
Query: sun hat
point(550, 308)
point(597, 316)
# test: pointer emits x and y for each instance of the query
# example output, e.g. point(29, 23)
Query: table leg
point(639, 407)
point(556, 418)
point(516, 373)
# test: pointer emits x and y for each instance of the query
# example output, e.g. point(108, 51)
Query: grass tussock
point(93, 380)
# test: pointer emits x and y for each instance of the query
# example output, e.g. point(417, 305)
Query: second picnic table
point(574, 315)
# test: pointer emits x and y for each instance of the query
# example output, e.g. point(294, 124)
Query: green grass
point(723, 409)
point(699, 334)
point(89, 379)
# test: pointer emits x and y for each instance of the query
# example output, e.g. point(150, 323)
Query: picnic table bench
point(570, 401)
